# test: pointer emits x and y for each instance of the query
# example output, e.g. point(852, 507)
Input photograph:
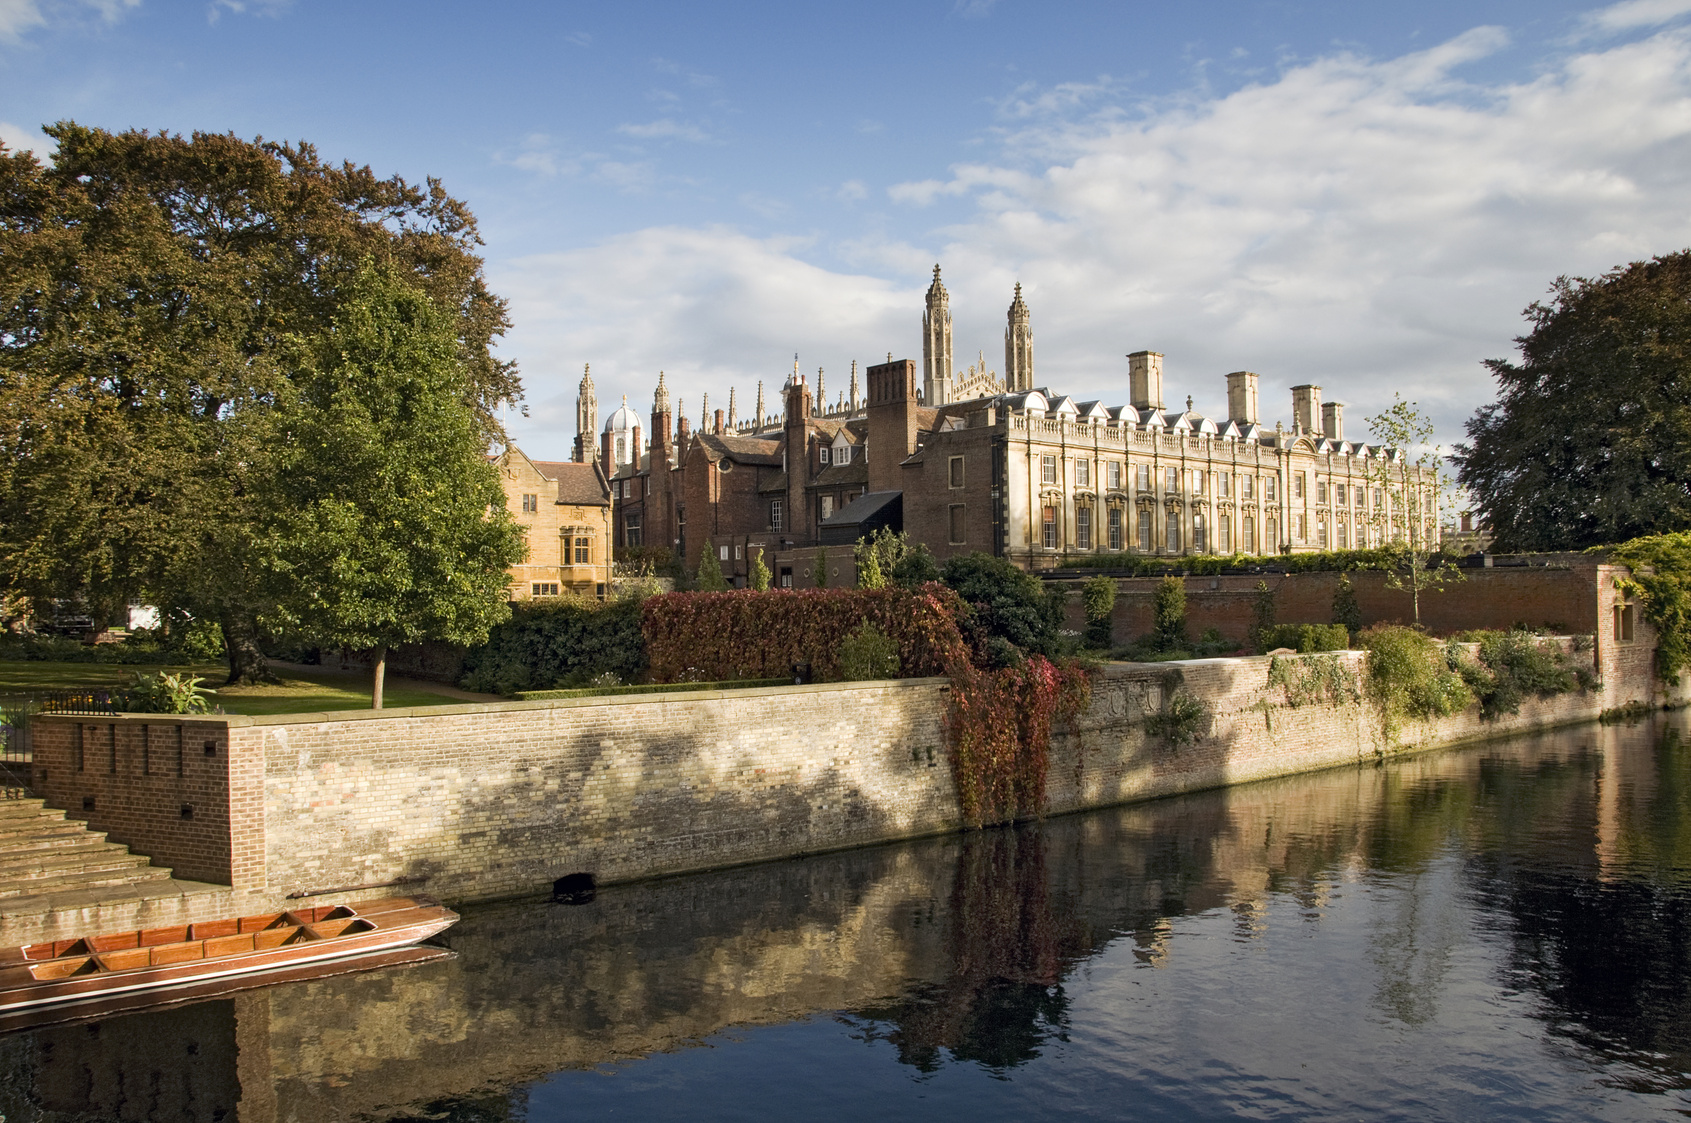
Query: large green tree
point(152, 291)
point(1589, 441)
point(391, 522)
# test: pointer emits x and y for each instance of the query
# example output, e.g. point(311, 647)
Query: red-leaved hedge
point(707, 637)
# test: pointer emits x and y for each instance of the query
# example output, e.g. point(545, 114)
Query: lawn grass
point(300, 693)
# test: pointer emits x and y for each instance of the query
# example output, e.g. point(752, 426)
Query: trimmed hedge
point(738, 635)
point(1209, 565)
point(1306, 638)
point(646, 688)
point(558, 643)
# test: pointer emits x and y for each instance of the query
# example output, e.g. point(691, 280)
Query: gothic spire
point(586, 418)
point(854, 386)
point(759, 417)
point(1018, 347)
point(730, 409)
point(936, 345)
point(660, 396)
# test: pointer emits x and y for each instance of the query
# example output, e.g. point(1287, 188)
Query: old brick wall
point(160, 785)
point(1562, 599)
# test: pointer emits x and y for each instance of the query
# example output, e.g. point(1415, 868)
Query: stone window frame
point(1050, 539)
point(1200, 537)
point(1082, 471)
point(954, 473)
point(1113, 475)
point(1083, 526)
point(957, 523)
point(632, 530)
point(1146, 534)
point(531, 503)
point(1171, 542)
point(1115, 534)
point(544, 589)
point(1047, 468)
point(582, 551)
point(775, 514)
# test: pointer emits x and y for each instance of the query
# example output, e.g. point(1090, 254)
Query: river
point(1498, 932)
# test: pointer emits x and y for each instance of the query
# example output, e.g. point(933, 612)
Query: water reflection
point(1508, 925)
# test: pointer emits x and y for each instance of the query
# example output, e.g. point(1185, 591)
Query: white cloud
point(851, 191)
point(20, 16)
point(1630, 14)
point(1368, 225)
point(665, 128)
point(19, 139)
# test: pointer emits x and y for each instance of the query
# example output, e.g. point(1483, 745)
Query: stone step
point(83, 859)
point(27, 808)
point(94, 879)
point(48, 832)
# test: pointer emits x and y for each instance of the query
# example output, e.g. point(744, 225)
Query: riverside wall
point(479, 802)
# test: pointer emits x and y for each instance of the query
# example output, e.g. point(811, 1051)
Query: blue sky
point(1362, 196)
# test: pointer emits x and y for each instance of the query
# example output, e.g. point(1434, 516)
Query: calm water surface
point(1494, 933)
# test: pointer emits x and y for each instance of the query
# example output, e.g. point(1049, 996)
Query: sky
point(1361, 196)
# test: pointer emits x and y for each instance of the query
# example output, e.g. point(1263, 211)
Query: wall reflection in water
point(1575, 848)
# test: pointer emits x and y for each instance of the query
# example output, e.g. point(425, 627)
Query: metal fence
point(15, 756)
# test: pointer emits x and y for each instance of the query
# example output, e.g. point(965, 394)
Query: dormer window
point(826, 453)
point(842, 455)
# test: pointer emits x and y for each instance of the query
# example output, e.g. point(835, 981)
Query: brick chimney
point(892, 422)
point(795, 523)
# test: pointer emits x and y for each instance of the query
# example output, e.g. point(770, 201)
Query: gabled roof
point(583, 485)
point(842, 475)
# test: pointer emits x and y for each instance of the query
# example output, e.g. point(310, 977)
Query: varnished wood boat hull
point(98, 1006)
point(40, 976)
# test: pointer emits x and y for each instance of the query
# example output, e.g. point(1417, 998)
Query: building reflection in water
point(965, 949)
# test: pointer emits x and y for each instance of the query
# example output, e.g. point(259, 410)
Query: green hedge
point(1305, 638)
point(1210, 565)
point(553, 644)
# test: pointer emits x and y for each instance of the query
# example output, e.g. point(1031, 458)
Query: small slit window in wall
point(1623, 623)
point(956, 472)
point(531, 504)
point(959, 521)
point(544, 588)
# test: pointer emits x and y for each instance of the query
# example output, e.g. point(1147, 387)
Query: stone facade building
point(564, 509)
point(963, 461)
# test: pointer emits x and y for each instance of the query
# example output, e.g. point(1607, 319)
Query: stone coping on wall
point(243, 721)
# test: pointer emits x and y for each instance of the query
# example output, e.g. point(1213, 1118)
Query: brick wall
point(160, 785)
point(1565, 599)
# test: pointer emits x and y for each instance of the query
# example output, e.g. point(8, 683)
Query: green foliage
point(1010, 613)
point(1346, 611)
point(167, 694)
point(1263, 615)
point(558, 643)
point(1099, 597)
point(1409, 678)
point(1661, 579)
point(1512, 666)
point(1184, 720)
point(1168, 614)
point(710, 579)
point(1305, 638)
point(1589, 441)
point(760, 573)
point(392, 523)
point(819, 568)
point(645, 688)
point(158, 291)
point(1417, 474)
point(740, 635)
point(1312, 680)
point(915, 568)
point(867, 654)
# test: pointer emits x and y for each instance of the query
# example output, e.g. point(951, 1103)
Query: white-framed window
point(1198, 481)
point(1083, 528)
point(1047, 469)
point(1247, 487)
point(1049, 524)
point(1171, 482)
point(1112, 475)
point(774, 514)
point(739, 551)
point(1082, 473)
point(722, 553)
point(842, 455)
point(1144, 477)
point(827, 454)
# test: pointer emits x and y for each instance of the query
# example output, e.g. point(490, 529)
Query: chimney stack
point(1333, 420)
point(1306, 409)
point(1145, 379)
point(892, 422)
point(1242, 397)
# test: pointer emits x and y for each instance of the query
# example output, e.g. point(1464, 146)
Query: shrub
point(760, 573)
point(867, 654)
point(722, 636)
point(1099, 596)
point(1408, 676)
point(710, 579)
point(551, 643)
point(1184, 720)
point(1168, 614)
point(1009, 613)
point(819, 568)
point(1512, 665)
point(1305, 638)
point(915, 569)
point(1346, 611)
point(1263, 616)
point(166, 694)
point(1661, 577)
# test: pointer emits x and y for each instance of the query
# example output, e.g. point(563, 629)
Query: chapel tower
point(936, 345)
point(1018, 347)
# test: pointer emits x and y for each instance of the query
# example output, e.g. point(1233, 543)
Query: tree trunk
point(247, 665)
point(381, 674)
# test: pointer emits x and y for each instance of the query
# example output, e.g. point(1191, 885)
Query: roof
point(741, 450)
point(581, 484)
point(840, 475)
point(862, 516)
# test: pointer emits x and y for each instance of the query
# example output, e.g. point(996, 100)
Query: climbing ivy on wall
point(999, 730)
point(1661, 579)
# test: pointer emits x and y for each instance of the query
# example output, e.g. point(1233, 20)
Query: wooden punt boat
point(38, 978)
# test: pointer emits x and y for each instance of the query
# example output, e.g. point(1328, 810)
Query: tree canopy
point(159, 299)
point(1589, 441)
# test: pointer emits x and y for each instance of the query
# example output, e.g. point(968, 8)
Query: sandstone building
point(964, 461)
point(564, 509)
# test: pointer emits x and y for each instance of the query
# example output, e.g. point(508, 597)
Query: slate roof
point(584, 485)
point(741, 450)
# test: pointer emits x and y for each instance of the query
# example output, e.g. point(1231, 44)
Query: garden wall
point(485, 801)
